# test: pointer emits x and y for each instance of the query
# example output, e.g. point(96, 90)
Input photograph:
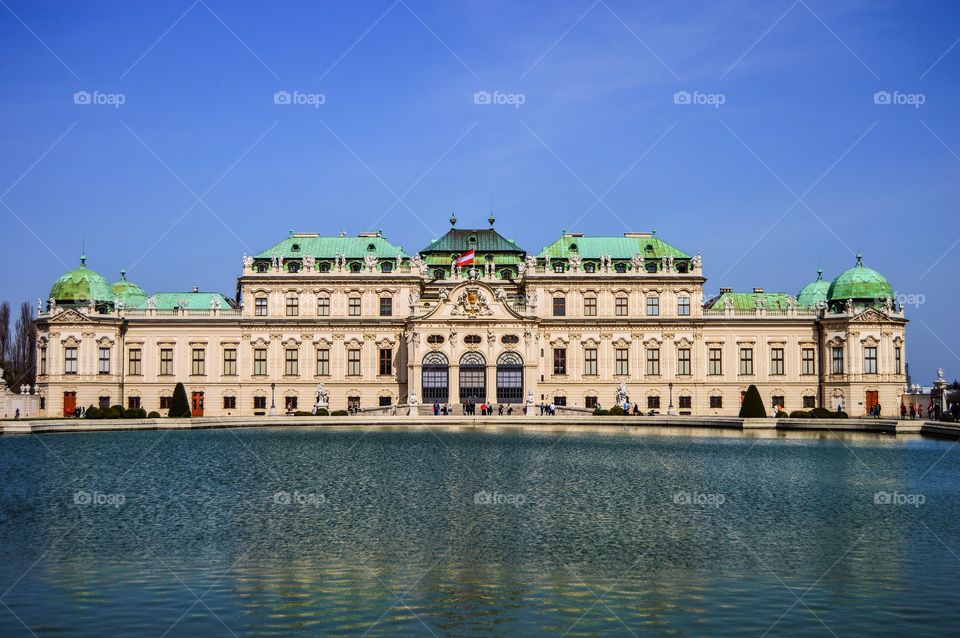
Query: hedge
point(752, 406)
point(153, 415)
point(179, 405)
point(339, 413)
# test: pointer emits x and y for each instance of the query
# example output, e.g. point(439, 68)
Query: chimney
point(725, 290)
point(758, 291)
point(196, 289)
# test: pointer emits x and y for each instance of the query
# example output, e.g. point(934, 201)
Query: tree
point(752, 406)
point(5, 341)
point(179, 405)
point(24, 355)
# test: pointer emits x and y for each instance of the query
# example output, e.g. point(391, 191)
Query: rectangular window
point(590, 402)
point(777, 363)
point(683, 361)
point(290, 403)
point(323, 306)
point(165, 403)
point(291, 362)
point(103, 365)
point(353, 362)
point(897, 359)
point(686, 402)
point(559, 360)
point(870, 360)
point(323, 362)
point(386, 306)
point(837, 360)
point(590, 361)
point(560, 401)
point(166, 361)
point(353, 306)
point(386, 362)
point(259, 403)
point(716, 402)
point(746, 361)
point(260, 362)
point(385, 401)
point(134, 362)
point(43, 360)
point(809, 401)
point(653, 361)
point(653, 306)
point(229, 403)
point(653, 403)
point(683, 306)
point(293, 306)
point(198, 361)
point(775, 401)
point(716, 361)
point(260, 306)
point(622, 361)
point(590, 306)
point(620, 307)
point(559, 306)
point(808, 362)
point(70, 360)
point(230, 362)
point(104, 403)
point(133, 403)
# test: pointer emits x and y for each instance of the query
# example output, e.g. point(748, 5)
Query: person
point(553, 409)
point(903, 411)
point(876, 411)
point(16, 414)
point(436, 408)
point(500, 410)
point(913, 411)
point(636, 409)
point(510, 410)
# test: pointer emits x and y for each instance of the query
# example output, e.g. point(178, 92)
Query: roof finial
point(453, 219)
point(83, 260)
point(859, 258)
point(123, 274)
point(819, 273)
point(491, 219)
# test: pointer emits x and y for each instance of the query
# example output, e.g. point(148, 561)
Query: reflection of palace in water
point(471, 316)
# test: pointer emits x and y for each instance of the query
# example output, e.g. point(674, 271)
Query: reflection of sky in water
point(383, 526)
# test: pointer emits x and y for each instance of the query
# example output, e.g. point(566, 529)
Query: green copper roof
point(748, 300)
point(321, 247)
point(815, 292)
point(483, 240)
point(132, 295)
point(80, 286)
point(644, 244)
point(860, 283)
point(190, 300)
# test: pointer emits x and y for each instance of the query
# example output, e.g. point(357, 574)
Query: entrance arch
point(436, 378)
point(509, 378)
point(473, 377)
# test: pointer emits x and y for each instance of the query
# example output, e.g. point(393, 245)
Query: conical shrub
point(179, 404)
point(752, 406)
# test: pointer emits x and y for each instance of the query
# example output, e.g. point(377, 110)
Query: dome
point(860, 283)
point(132, 295)
point(80, 286)
point(815, 292)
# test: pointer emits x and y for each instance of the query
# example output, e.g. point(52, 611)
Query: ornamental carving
point(472, 302)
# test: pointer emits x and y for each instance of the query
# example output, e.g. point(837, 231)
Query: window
point(589, 267)
point(590, 306)
point(560, 401)
point(435, 339)
point(43, 360)
point(653, 402)
point(716, 402)
point(324, 266)
point(746, 361)
point(103, 365)
point(837, 360)
point(260, 307)
point(683, 361)
point(323, 306)
point(104, 403)
point(683, 306)
point(293, 266)
point(651, 267)
point(716, 361)
point(260, 362)
point(386, 362)
point(590, 402)
point(166, 361)
point(897, 358)
point(384, 402)
point(510, 340)
point(622, 361)
point(230, 362)
point(653, 361)
point(870, 360)
point(134, 361)
point(353, 362)
point(685, 402)
point(293, 306)
point(355, 267)
point(559, 306)
point(439, 273)
point(620, 267)
point(387, 266)
point(198, 361)
point(558, 267)
point(386, 306)
point(290, 403)
point(259, 403)
point(559, 360)
point(808, 361)
point(653, 306)
point(590, 361)
point(323, 362)
point(164, 403)
point(809, 401)
point(353, 307)
point(776, 400)
point(133, 403)
point(229, 403)
point(776, 361)
point(472, 340)
point(620, 307)
point(291, 362)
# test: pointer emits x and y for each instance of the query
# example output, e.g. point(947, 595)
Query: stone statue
point(444, 294)
point(309, 262)
point(521, 268)
point(669, 263)
point(728, 303)
point(51, 305)
point(413, 400)
point(575, 262)
point(759, 303)
point(697, 261)
point(663, 263)
point(473, 274)
point(622, 396)
point(888, 305)
point(939, 374)
point(397, 261)
point(413, 299)
point(546, 261)
point(371, 261)
point(532, 301)
point(151, 303)
point(530, 397)
point(247, 261)
point(213, 302)
point(323, 397)
point(849, 305)
point(500, 294)
point(791, 303)
point(637, 262)
point(531, 263)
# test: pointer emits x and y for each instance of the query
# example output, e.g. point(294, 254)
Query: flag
point(465, 259)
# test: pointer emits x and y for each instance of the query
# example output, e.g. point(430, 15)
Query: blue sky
point(781, 160)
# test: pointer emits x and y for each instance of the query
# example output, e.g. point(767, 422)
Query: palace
point(471, 316)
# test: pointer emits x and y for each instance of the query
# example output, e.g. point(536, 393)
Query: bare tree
point(4, 332)
point(25, 348)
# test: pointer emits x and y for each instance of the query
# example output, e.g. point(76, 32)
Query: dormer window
point(355, 267)
point(558, 267)
point(261, 267)
point(573, 248)
point(386, 266)
point(649, 248)
point(590, 267)
point(620, 267)
point(324, 266)
point(682, 267)
point(293, 266)
point(371, 247)
point(295, 248)
point(489, 257)
point(651, 267)
point(472, 239)
point(438, 273)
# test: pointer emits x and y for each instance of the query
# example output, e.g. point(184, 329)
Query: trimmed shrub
point(115, 412)
point(839, 415)
point(153, 415)
point(323, 412)
point(93, 412)
point(617, 411)
point(339, 413)
point(783, 414)
point(752, 407)
point(599, 412)
point(821, 413)
point(948, 418)
point(302, 413)
point(179, 405)
point(799, 414)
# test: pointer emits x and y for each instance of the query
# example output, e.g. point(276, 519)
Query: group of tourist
point(916, 410)
point(470, 408)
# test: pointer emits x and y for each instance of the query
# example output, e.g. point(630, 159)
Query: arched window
point(509, 378)
point(324, 266)
point(295, 248)
point(651, 267)
point(473, 377)
point(682, 266)
point(589, 267)
point(435, 377)
point(438, 273)
point(261, 267)
point(293, 266)
point(620, 267)
point(506, 274)
point(355, 266)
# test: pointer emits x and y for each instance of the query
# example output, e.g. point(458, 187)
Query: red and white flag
point(465, 259)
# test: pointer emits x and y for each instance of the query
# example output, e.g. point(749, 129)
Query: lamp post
point(670, 410)
point(273, 405)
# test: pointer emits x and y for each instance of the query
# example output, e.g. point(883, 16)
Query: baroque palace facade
point(378, 327)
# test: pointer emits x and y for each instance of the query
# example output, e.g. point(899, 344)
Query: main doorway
point(435, 378)
point(509, 378)
point(69, 403)
point(473, 377)
point(196, 404)
point(872, 399)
